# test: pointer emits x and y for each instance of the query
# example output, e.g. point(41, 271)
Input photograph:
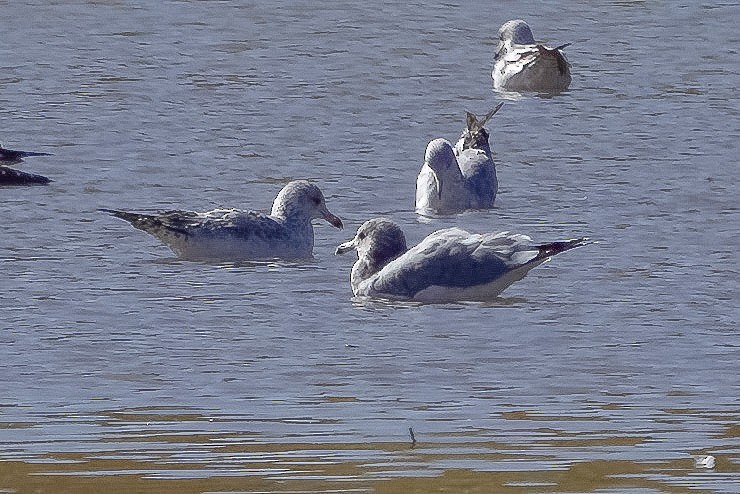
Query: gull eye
point(316, 200)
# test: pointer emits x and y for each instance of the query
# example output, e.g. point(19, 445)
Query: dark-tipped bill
point(345, 247)
point(332, 220)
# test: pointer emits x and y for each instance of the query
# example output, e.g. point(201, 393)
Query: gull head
point(517, 32)
point(440, 158)
point(378, 241)
point(439, 155)
point(302, 199)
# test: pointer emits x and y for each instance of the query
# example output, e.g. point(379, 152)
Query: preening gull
point(522, 64)
point(233, 234)
point(448, 265)
point(11, 156)
point(453, 180)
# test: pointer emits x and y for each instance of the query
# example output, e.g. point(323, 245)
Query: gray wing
point(526, 55)
point(454, 258)
point(522, 54)
point(479, 173)
point(239, 224)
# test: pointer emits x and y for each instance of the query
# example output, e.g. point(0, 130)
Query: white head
point(440, 157)
point(378, 241)
point(302, 200)
point(517, 32)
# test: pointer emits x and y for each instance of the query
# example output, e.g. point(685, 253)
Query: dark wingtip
point(474, 124)
point(109, 211)
point(124, 215)
point(471, 121)
point(551, 249)
point(491, 113)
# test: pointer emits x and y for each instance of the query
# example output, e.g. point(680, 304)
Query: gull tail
point(553, 248)
point(144, 222)
point(159, 225)
point(132, 218)
point(557, 55)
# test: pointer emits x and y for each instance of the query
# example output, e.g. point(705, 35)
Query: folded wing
point(454, 258)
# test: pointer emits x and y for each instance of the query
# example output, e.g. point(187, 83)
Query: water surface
point(607, 370)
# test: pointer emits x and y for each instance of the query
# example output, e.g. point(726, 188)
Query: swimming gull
point(233, 234)
point(522, 64)
point(11, 156)
point(453, 180)
point(9, 176)
point(448, 265)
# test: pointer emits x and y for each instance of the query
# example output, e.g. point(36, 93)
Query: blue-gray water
point(607, 370)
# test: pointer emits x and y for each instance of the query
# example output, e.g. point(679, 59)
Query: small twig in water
point(411, 433)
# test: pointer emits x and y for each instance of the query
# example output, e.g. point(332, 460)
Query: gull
point(233, 234)
point(522, 64)
point(448, 265)
point(9, 176)
point(11, 156)
point(451, 179)
point(707, 461)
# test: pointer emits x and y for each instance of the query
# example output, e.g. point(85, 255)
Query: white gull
point(453, 180)
point(448, 265)
point(233, 234)
point(522, 64)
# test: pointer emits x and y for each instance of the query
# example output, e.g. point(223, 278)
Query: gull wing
point(453, 258)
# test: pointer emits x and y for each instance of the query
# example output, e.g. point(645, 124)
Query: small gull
point(706, 461)
point(233, 234)
point(522, 64)
point(451, 179)
point(448, 265)
point(11, 156)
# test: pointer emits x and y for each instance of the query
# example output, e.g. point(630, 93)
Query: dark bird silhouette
point(10, 176)
point(11, 156)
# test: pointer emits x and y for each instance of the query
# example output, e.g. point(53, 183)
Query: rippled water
point(609, 369)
